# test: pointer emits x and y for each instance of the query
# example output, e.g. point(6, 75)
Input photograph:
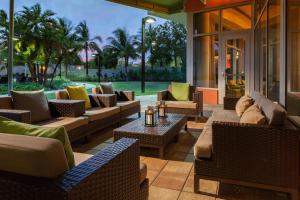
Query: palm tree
point(3, 37)
point(88, 43)
point(123, 44)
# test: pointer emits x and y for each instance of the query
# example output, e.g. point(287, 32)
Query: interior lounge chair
point(125, 100)
point(34, 108)
point(39, 171)
point(192, 107)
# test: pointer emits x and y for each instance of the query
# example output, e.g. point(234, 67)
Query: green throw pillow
point(59, 133)
point(180, 91)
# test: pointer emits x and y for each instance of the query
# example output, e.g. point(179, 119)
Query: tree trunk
point(54, 71)
point(175, 60)
point(152, 70)
point(32, 70)
point(86, 59)
point(126, 68)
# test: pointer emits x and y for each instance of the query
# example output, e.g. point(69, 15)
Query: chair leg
point(139, 114)
point(196, 184)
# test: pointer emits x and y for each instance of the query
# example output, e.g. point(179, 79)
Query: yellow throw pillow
point(180, 91)
point(79, 93)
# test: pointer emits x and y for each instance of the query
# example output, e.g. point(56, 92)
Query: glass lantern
point(150, 117)
point(162, 109)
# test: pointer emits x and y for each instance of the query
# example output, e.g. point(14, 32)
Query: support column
point(10, 47)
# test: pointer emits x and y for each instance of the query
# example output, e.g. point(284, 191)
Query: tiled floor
point(172, 178)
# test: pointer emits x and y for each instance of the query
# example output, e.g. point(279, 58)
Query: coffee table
point(166, 130)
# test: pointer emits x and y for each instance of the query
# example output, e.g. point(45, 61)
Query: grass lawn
point(151, 87)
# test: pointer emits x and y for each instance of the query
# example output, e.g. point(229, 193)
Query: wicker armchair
point(261, 156)
point(112, 174)
point(193, 107)
point(126, 101)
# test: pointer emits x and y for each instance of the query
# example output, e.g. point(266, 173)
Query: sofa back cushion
point(243, 104)
point(59, 133)
point(62, 94)
point(36, 102)
point(32, 156)
point(106, 88)
point(6, 102)
point(275, 114)
point(79, 93)
point(253, 115)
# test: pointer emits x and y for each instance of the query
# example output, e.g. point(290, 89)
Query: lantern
point(150, 117)
point(162, 109)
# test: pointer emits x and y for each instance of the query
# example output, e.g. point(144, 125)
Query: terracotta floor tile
point(151, 175)
point(206, 186)
point(193, 196)
point(170, 180)
point(142, 158)
point(155, 163)
point(178, 167)
point(156, 193)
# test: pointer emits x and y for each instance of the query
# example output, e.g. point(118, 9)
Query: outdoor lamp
point(150, 117)
point(162, 109)
point(149, 20)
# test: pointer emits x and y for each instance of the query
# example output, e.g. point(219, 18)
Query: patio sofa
point(263, 156)
point(125, 100)
point(34, 168)
point(62, 113)
point(191, 108)
point(104, 112)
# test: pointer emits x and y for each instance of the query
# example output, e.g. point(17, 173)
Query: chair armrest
point(103, 100)
point(125, 95)
point(67, 108)
point(162, 95)
point(230, 102)
point(266, 153)
point(198, 98)
point(23, 116)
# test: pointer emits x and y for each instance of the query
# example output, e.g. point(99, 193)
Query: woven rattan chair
point(191, 108)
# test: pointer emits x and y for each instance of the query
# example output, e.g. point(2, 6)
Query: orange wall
point(210, 95)
point(196, 5)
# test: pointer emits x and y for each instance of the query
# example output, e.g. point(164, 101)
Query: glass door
point(234, 65)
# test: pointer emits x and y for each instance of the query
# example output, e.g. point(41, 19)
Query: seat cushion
point(143, 172)
point(124, 105)
point(243, 103)
point(36, 102)
point(32, 156)
point(180, 91)
point(79, 93)
point(81, 157)
point(70, 123)
point(106, 88)
point(181, 104)
point(59, 133)
point(225, 116)
point(203, 146)
point(101, 113)
point(253, 115)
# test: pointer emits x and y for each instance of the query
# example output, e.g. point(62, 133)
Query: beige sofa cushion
point(276, 114)
point(243, 103)
point(81, 157)
point(33, 156)
point(253, 115)
point(36, 102)
point(181, 104)
point(124, 105)
point(101, 113)
point(70, 123)
point(203, 146)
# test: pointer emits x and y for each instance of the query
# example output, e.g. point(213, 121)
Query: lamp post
point(97, 55)
point(144, 21)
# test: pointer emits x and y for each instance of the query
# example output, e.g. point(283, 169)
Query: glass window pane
point(259, 4)
point(206, 22)
point(236, 18)
point(274, 50)
point(293, 58)
point(206, 61)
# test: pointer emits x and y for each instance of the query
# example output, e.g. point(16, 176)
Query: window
point(236, 18)
point(206, 22)
point(293, 59)
point(206, 61)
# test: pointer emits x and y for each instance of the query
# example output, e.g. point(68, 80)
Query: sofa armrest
point(230, 102)
point(198, 98)
point(23, 116)
point(67, 108)
point(125, 95)
point(162, 95)
point(113, 173)
point(266, 153)
point(103, 100)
